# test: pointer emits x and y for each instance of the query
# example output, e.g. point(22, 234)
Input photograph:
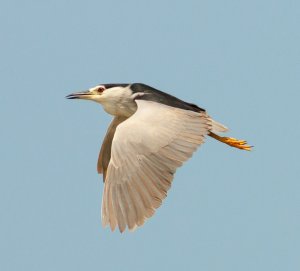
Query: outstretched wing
point(105, 152)
point(147, 148)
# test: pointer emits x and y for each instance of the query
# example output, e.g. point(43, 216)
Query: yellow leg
point(233, 142)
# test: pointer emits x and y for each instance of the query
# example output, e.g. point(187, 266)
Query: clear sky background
point(227, 209)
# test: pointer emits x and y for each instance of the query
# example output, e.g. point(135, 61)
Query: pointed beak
point(80, 95)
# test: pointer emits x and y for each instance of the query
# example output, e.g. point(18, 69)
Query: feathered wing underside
point(146, 150)
point(105, 152)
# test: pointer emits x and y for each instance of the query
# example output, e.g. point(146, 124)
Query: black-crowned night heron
point(151, 135)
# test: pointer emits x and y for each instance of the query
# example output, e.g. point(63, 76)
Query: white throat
point(118, 101)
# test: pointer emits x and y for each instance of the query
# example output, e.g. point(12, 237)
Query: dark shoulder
point(156, 95)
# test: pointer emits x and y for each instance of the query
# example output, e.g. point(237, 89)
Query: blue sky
point(227, 209)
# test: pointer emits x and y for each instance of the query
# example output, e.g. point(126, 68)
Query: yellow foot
point(233, 142)
point(240, 144)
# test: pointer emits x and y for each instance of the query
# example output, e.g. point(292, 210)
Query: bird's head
point(100, 93)
point(116, 99)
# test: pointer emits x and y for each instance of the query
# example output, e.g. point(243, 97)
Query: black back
point(158, 96)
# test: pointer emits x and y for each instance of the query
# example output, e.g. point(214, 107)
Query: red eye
point(100, 89)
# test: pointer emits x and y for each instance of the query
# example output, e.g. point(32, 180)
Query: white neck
point(117, 101)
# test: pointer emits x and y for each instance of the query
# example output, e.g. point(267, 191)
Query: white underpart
point(117, 101)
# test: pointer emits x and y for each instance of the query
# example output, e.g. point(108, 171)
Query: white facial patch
point(95, 88)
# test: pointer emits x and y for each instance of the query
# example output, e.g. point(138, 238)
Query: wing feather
point(146, 150)
point(105, 152)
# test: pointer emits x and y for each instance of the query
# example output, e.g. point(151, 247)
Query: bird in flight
point(151, 135)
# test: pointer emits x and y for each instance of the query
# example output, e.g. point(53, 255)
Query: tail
point(218, 127)
point(233, 142)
